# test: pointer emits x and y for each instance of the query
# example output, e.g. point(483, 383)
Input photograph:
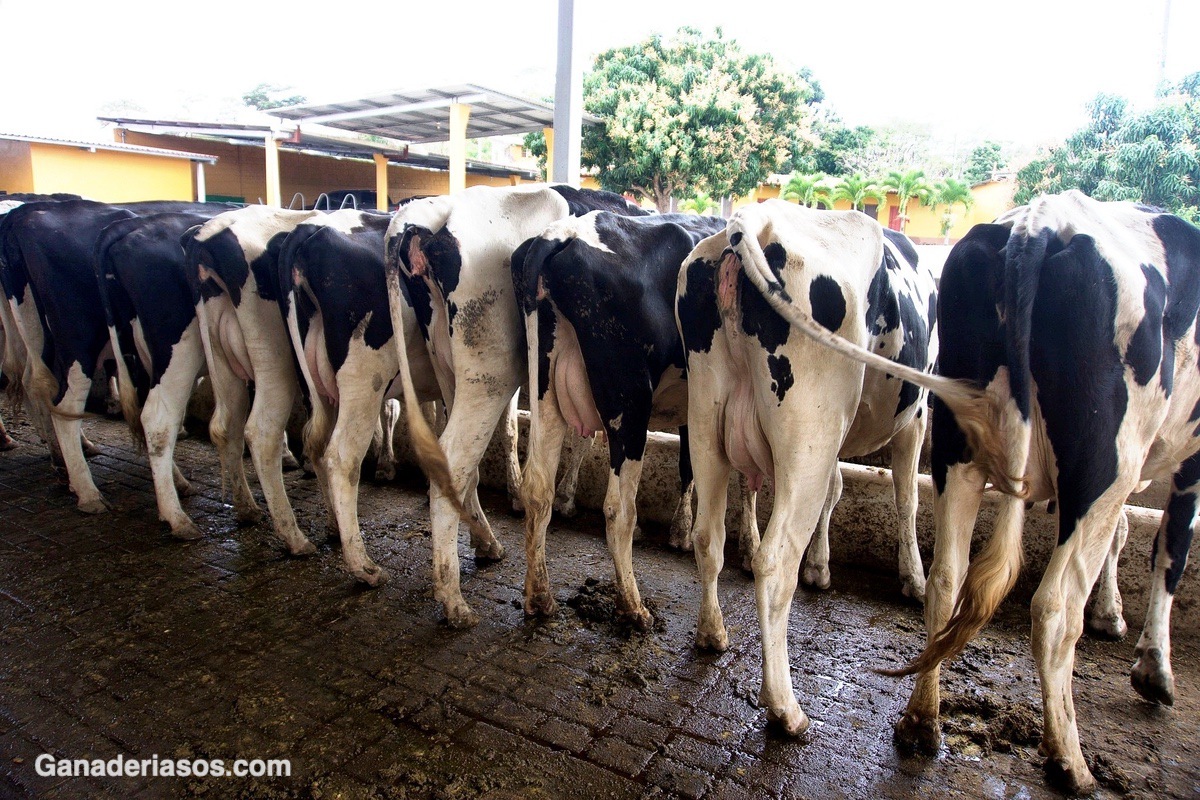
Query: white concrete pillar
point(568, 100)
point(201, 189)
point(459, 114)
point(274, 196)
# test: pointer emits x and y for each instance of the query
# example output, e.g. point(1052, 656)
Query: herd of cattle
point(776, 342)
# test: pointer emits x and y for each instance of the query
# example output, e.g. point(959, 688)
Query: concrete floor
point(115, 639)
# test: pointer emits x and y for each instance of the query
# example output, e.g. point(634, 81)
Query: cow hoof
point(309, 470)
point(187, 532)
point(919, 734)
point(518, 507)
point(97, 506)
point(717, 641)
point(815, 577)
point(541, 604)
point(461, 616)
point(1152, 679)
point(1109, 626)
point(566, 508)
point(748, 565)
point(791, 719)
point(385, 474)
point(490, 552)
point(914, 590)
point(249, 515)
point(1077, 782)
point(184, 489)
point(7, 443)
point(289, 462)
point(372, 575)
point(304, 547)
point(640, 619)
point(637, 533)
point(680, 540)
point(90, 450)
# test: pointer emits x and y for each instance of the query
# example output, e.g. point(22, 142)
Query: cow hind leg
point(955, 509)
point(1057, 612)
point(712, 496)
point(1105, 615)
point(227, 430)
point(509, 432)
point(161, 417)
point(906, 455)
point(385, 465)
point(816, 561)
point(1151, 675)
point(620, 513)
point(265, 433)
point(748, 535)
point(682, 520)
point(572, 458)
point(68, 430)
point(6, 441)
point(537, 488)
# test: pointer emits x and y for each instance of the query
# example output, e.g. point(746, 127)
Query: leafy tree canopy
point(985, 160)
point(1151, 157)
point(690, 113)
point(267, 95)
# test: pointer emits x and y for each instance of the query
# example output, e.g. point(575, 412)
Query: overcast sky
point(1019, 70)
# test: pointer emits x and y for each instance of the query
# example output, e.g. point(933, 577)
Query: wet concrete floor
point(115, 639)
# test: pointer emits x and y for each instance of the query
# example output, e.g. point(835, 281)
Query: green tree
point(700, 203)
point(807, 189)
point(829, 147)
point(950, 193)
point(267, 95)
point(985, 160)
point(857, 189)
point(907, 186)
point(1150, 157)
point(689, 113)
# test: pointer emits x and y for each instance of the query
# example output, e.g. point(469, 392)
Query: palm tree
point(702, 203)
point(857, 189)
point(809, 189)
point(950, 193)
point(907, 186)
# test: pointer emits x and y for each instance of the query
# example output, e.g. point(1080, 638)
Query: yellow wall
point(107, 175)
point(16, 169)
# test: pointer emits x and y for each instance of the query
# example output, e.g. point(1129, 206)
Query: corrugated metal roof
point(423, 115)
point(116, 146)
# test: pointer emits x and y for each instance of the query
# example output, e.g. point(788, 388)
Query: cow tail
point(315, 441)
point(127, 392)
point(977, 413)
point(14, 367)
point(192, 248)
point(430, 456)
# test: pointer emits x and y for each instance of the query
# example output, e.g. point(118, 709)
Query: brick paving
point(116, 639)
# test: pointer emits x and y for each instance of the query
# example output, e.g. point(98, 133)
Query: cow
point(604, 355)
point(455, 254)
point(56, 309)
point(155, 334)
point(233, 261)
point(1079, 318)
point(771, 404)
point(333, 296)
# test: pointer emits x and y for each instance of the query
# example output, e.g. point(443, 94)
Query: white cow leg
point(68, 431)
point(1105, 616)
point(572, 458)
point(385, 465)
point(546, 435)
point(317, 433)
point(227, 430)
point(955, 511)
point(776, 572)
point(265, 435)
point(712, 496)
point(620, 516)
point(906, 455)
point(342, 465)
point(473, 418)
point(816, 564)
point(6, 441)
point(162, 415)
point(510, 432)
point(1057, 612)
point(748, 535)
point(288, 461)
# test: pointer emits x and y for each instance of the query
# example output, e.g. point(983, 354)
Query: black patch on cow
point(914, 352)
point(1180, 515)
point(1024, 258)
point(735, 239)
point(546, 329)
point(699, 317)
point(904, 245)
point(1145, 351)
point(828, 302)
point(883, 311)
point(781, 375)
point(776, 258)
point(444, 254)
point(972, 348)
point(1080, 374)
point(583, 201)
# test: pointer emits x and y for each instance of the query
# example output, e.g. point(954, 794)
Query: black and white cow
point(1080, 319)
point(604, 355)
point(773, 404)
point(153, 329)
point(234, 260)
point(455, 254)
point(334, 298)
point(47, 250)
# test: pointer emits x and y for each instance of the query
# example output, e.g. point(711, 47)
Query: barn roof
point(160, 152)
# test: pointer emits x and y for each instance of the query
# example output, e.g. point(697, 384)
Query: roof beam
point(404, 108)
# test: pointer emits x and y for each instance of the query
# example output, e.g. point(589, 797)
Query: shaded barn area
point(115, 639)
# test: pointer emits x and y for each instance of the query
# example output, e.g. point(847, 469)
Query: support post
point(549, 134)
point(381, 182)
point(568, 99)
point(459, 114)
point(274, 196)
point(201, 189)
